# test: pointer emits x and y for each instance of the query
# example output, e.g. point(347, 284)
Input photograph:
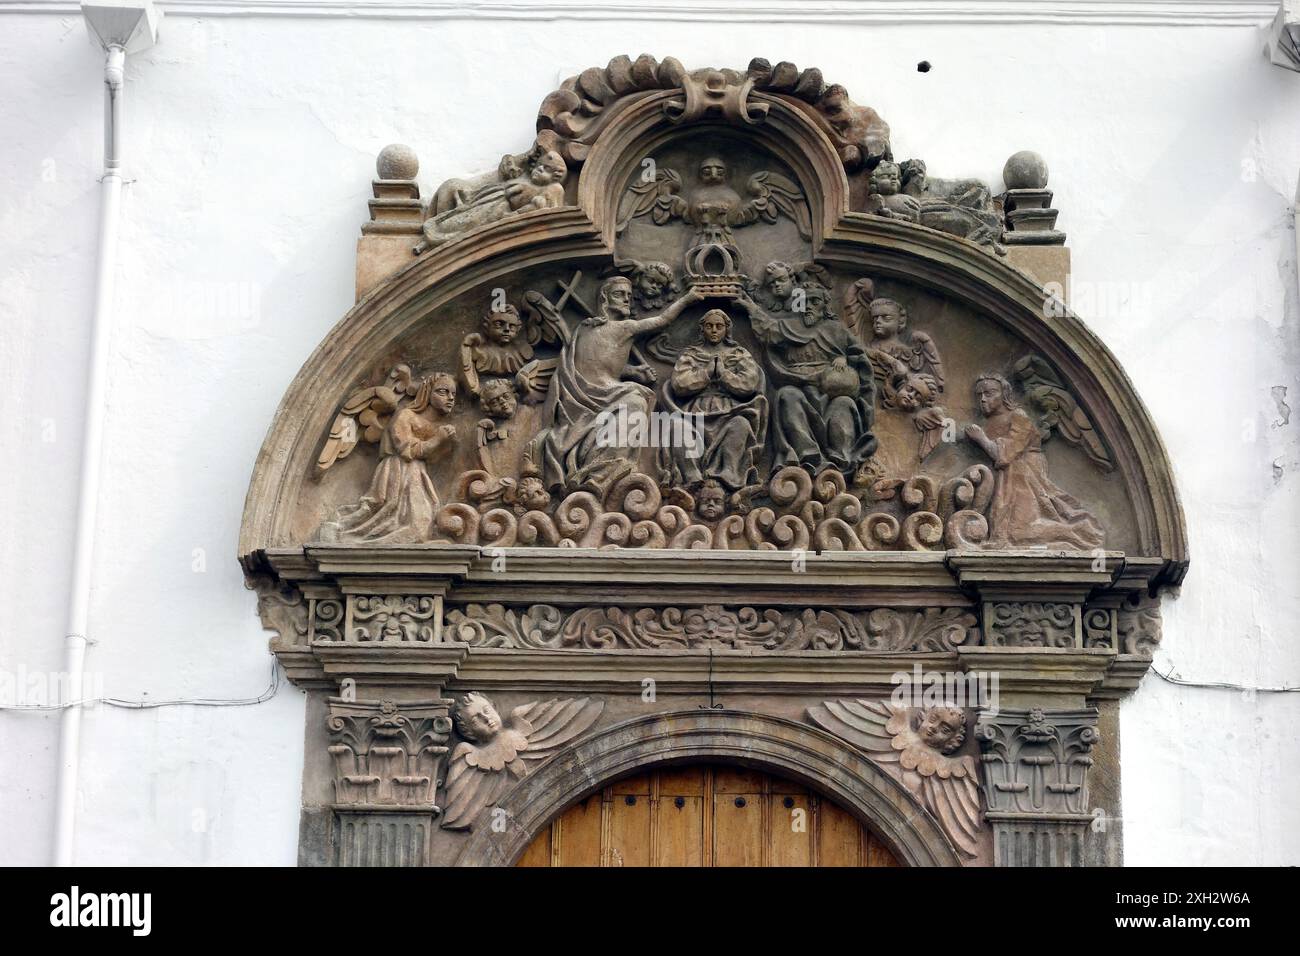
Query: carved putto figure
point(1027, 510)
point(401, 503)
point(496, 350)
point(825, 391)
point(494, 753)
point(503, 348)
point(881, 325)
point(886, 197)
point(539, 186)
point(713, 207)
point(917, 395)
point(653, 284)
point(962, 207)
point(918, 746)
point(589, 385)
point(719, 383)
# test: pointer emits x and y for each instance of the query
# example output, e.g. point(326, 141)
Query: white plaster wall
point(1174, 154)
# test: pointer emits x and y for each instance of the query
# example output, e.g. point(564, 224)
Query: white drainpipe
point(117, 27)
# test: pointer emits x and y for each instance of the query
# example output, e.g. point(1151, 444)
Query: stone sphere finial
point(397, 161)
point(1025, 170)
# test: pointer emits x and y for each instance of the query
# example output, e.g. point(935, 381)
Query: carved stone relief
point(920, 747)
point(712, 626)
point(707, 312)
point(493, 753)
point(386, 755)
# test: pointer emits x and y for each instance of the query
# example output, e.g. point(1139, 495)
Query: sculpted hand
point(976, 434)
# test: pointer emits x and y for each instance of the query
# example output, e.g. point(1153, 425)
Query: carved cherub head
point(530, 494)
point(778, 279)
point(615, 300)
point(913, 175)
point(993, 393)
point(476, 719)
point(913, 391)
point(943, 728)
point(548, 168)
point(710, 500)
point(497, 396)
point(437, 392)
point(888, 318)
point(502, 327)
point(715, 326)
point(653, 280)
point(713, 172)
point(886, 178)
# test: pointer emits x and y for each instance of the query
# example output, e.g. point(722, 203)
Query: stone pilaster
point(387, 761)
point(1035, 780)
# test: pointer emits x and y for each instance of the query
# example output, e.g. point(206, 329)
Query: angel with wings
point(713, 207)
point(365, 415)
point(503, 347)
point(495, 754)
point(881, 325)
point(918, 747)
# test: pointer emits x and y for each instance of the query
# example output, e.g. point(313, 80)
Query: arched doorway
point(706, 815)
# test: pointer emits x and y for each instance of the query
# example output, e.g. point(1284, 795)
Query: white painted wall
point(1174, 153)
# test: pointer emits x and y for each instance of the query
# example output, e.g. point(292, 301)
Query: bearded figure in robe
point(589, 387)
point(825, 390)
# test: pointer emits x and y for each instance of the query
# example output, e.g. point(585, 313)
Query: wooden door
point(705, 815)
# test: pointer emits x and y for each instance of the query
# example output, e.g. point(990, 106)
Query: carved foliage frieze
point(542, 626)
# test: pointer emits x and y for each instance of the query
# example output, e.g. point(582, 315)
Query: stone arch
point(774, 744)
point(583, 233)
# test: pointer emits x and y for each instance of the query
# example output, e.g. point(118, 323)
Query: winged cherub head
point(943, 728)
point(476, 719)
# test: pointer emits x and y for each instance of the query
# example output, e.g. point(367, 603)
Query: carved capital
point(1037, 761)
point(386, 754)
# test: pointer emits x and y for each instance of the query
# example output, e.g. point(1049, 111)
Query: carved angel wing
point(542, 320)
point(955, 800)
point(929, 355)
point(364, 416)
point(946, 785)
point(775, 195)
point(1059, 409)
point(857, 308)
point(660, 197)
point(553, 723)
point(861, 723)
point(534, 379)
point(471, 788)
point(929, 422)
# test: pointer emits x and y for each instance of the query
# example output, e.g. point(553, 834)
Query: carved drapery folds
point(704, 376)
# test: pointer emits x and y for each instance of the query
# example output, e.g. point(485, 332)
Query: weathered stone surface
point(693, 424)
